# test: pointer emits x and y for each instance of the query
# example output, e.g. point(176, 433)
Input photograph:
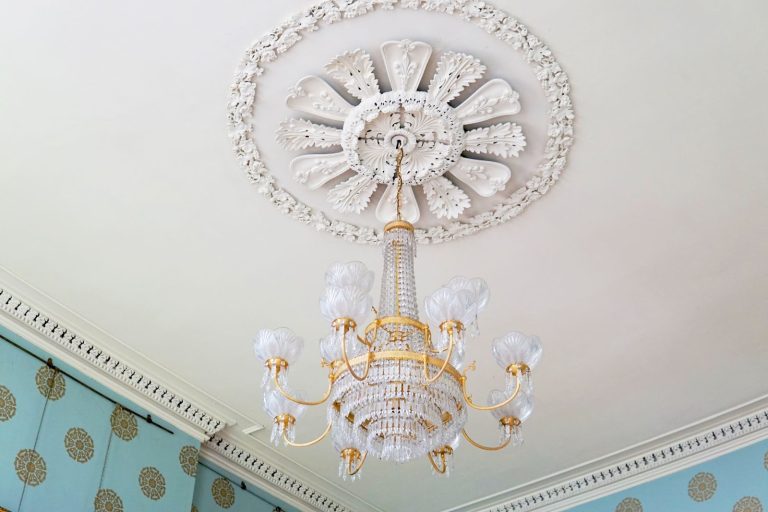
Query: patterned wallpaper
point(69, 444)
point(734, 482)
point(65, 447)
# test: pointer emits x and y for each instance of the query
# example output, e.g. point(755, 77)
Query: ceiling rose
point(431, 131)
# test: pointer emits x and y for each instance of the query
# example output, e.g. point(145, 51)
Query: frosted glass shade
point(282, 343)
point(476, 286)
point(521, 407)
point(516, 347)
point(276, 404)
point(352, 275)
point(448, 304)
point(345, 303)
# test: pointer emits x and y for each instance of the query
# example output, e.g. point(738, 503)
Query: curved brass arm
point(482, 446)
point(346, 359)
point(308, 443)
point(430, 380)
point(473, 405)
point(442, 453)
point(350, 472)
point(435, 466)
point(279, 387)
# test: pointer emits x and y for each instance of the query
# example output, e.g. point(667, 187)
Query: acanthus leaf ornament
point(430, 131)
point(404, 62)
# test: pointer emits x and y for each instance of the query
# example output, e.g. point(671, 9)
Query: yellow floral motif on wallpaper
point(223, 493)
point(194, 509)
point(79, 445)
point(702, 486)
point(188, 460)
point(629, 505)
point(50, 383)
point(748, 504)
point(30, 467)
point(124, 424)
point(152, 483)
point(107, 500)
point(7, 404)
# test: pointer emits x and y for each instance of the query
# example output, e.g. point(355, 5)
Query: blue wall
point(69, 444)
point(737, 482)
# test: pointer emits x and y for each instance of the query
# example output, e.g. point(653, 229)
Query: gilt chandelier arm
point(308, 443)
point(449, 327)
point(279, 388)
point(515, 370)
point(474, 443)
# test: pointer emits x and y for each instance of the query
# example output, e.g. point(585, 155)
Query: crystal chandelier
point(396, 389)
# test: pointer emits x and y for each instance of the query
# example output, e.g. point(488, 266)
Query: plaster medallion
point(431, 132)
point(366, 133)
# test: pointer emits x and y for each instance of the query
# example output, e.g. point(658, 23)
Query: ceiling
point(643, 271)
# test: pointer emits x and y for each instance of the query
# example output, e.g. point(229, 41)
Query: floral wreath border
point(551, 77)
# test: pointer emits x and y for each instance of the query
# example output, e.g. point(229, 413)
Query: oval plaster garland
point(552, 79)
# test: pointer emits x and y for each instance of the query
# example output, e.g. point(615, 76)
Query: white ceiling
point(643, 270)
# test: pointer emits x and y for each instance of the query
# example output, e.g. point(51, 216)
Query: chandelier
point(397, 389)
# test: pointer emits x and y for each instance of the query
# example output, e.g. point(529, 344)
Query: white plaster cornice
point(184, 412)
point(697, 443)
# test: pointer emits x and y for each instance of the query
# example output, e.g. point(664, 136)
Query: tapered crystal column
point(398, 285)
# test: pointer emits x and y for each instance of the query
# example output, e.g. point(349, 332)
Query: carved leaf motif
point(483, 176)
point(316, 170)
point(378, 158)
point(386, 210)
point(352, 195)
point(314, 96)
point(454, 72)
point(354, 70)
point(503, 139)
point(405, 62)
point(494, 99)
point(301, 134)
point(445, 200)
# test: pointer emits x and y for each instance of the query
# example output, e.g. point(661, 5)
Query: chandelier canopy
point(397, 389)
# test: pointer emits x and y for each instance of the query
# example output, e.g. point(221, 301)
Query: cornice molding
point(674, 455)
point(278, 478)
point(97, 357)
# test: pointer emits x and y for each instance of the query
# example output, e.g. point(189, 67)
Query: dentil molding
point(96, 357)
point(735, 430)
point(405, 63)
